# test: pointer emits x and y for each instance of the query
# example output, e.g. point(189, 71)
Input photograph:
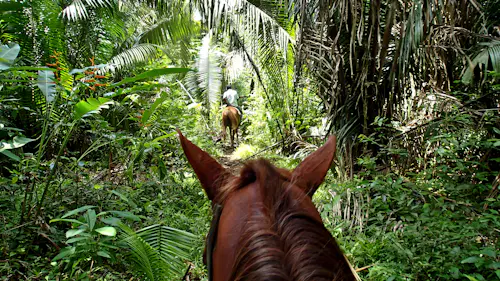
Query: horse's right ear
point(312, 171)
point(209, 171)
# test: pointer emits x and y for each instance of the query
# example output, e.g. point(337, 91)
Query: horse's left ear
point(207, 169)
point(312, 171)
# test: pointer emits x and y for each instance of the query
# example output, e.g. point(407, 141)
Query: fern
point(172, 245)
point(147, 262)
point(157, 252)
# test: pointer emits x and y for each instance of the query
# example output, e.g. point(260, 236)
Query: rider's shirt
point(231, 96)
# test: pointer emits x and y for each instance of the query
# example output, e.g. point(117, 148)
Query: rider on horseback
point(230, 97)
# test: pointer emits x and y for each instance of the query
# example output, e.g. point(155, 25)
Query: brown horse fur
point(269, 228)
point(230, 119)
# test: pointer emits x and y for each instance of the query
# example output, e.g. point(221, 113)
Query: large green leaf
point(104, 254)
point(74, 232)
point(249, 19)
point(76, 211)
point(7, 55)
point(148, 112)
point(166, 136)
point(67, 220)
point(151, 74)
point(91, 218)
point(11, 155)
point(46, 84)
point(126, 215)
point(91, 106)
point(16, 142)
point(33, 68)
point(124, 198)
point(471, 260)
point(77, 239)
point(107, 231)
point(68, 251)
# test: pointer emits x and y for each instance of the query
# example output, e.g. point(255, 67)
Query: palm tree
point(378, 58)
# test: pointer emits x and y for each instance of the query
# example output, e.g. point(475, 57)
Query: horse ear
point(312, 171)
point(207, 169)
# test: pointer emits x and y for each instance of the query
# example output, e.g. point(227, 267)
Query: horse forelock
point(283, 241)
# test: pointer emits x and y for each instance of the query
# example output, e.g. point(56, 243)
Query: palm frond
point(173, 245)
point(163, 7)
point(175, 32)
point(209, 71)
point(281, 11)
point(79, 9)
point(235, 65)
point(489, 53)
point(158, 252)
point(174, 26)
point(243, 17)
point(147, 262)
point(138, 54)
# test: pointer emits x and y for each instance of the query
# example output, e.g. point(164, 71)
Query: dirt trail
point(226, 159)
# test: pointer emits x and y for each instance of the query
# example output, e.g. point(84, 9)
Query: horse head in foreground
point(265, 225)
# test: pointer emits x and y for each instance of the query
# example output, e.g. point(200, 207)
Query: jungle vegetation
point(94, 184)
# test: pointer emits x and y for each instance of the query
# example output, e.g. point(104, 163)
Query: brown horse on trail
point(230, 119)
point(265, 226)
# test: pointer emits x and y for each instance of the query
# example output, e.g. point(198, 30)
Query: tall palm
point(369, 57)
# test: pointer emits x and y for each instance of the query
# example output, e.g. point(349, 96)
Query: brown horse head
point(269, 228)
point(230, 119)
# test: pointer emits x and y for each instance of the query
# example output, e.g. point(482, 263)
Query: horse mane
point(282, 241)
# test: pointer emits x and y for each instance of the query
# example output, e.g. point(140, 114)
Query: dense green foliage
point(94, 184)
